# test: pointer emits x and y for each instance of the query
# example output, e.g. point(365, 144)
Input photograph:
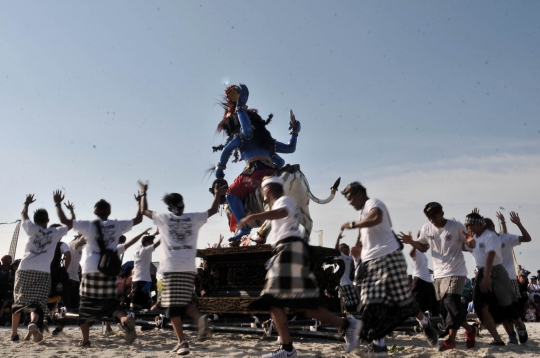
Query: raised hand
point(143, 187)
point(244, 95)
point(476, 211)
point(499, 216)
point(70, 206)
point(294, 125)
point(406, 238)
point(58, 196)
point(468, 237)
point(219, 191)
point(29, 199)
point(514, 217)
point(219, 173)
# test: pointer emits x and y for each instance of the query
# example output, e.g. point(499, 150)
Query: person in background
point(347, 289)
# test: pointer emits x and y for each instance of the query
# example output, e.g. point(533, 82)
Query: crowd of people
point(497, 294)
point(375, 284)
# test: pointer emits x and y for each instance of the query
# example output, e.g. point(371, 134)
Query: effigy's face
point(232, 94)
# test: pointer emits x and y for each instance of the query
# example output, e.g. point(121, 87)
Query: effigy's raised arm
point(225, 155)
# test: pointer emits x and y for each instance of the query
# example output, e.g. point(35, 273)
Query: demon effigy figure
point(250, 141)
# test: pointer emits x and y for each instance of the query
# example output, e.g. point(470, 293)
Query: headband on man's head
point(474, 219)
point(272, 180)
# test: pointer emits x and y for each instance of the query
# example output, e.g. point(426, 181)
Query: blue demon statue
point(247, 134)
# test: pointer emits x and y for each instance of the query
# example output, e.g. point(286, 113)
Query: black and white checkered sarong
point(349, 295)
point(384, 280)
point(177, 289)
point(98, 285)
point(31, 288)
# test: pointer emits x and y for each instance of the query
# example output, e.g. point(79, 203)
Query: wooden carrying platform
point(233, 277)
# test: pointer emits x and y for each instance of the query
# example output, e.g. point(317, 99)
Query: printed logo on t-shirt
point(180, 229)
point(42, 240)
point(503, 245)
point(108, 234)
point(482, 245)
point(446, 236)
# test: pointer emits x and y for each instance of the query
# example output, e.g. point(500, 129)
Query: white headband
point(271, 180)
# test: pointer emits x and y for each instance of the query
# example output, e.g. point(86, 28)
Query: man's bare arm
point(29, 200)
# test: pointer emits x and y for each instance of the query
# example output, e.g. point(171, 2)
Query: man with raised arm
point(33, 278)
point(493, 296)
point(446, 240)
point(508, 242)
point(98, 290)
point(142, 281)
point(179, 234)
point(384, 295)
point(289, 282)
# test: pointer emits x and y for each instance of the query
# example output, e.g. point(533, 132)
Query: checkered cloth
point(31, 288)
point(177, 289)
point(98, 285)
point(452, 285)
point(384, 280)
point(501, 297)
point(289, 277)
point(515, 287)
point(349, 295)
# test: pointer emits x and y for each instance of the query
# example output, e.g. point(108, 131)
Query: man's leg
point(15, 319)
point(282, 326)
point(85, 330)
point(177, 327)
point(489, 323)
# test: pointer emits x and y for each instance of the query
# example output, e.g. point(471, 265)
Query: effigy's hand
point(244, 95)
point(219, 173)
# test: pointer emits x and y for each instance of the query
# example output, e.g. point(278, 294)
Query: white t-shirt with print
point(40, 247)
point(487, 242)
point(111, 229)
point(420, 266)
point(179, 240)
point(142, 259)
point(76, 254)
point(378, 240)
point(349, 265)
point(508, 241)
point(289, 226)
point(446, 248)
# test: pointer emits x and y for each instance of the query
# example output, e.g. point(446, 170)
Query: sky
point(419, 100)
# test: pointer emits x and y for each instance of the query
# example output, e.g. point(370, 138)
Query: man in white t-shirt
point(142, 280)
point(493, 295)
point(289, 282)
point(179, 234)
point(33, 278)
point(98, 291)
point(347, 288)
point(384, 295)
point(447, 241)
point(508, 242)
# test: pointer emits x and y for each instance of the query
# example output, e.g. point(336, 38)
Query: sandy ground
point(158, 343)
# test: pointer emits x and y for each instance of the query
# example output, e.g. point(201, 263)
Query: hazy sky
point(419, 100)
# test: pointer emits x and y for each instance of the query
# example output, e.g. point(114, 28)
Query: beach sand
point(157, 343)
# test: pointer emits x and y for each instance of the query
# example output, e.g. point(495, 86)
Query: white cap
point(271, 180)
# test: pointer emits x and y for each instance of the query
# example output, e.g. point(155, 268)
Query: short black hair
point(41, 216)
point(275, 189)
point(147, 238)
point(55, 225)
point(122, 239)
point(102, 205)
point(488, 222)
point(432, 208)
point(353, 188)
point(173, 199)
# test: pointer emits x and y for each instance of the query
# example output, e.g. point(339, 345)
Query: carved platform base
point(233, 277)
